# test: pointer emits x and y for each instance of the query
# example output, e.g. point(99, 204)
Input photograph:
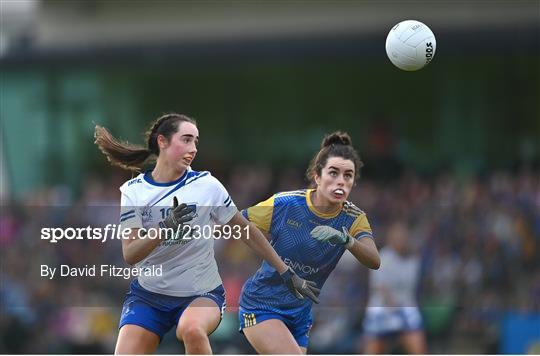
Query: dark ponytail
point(336, 144)
point(133, 157)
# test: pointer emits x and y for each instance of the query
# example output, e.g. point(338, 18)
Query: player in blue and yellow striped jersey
point(310, 230)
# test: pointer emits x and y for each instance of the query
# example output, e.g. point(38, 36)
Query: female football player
point(310, 230)
point(392, 310)
point(188, 295)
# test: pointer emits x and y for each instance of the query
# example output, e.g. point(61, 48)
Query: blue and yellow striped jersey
point(289, 218)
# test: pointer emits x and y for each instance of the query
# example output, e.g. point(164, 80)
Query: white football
point(410, 45)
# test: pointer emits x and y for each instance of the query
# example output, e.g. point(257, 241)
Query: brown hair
point(134, 157)
point(336, 144)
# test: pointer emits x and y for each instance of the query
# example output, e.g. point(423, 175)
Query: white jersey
point(188, 266)
point(394, 284)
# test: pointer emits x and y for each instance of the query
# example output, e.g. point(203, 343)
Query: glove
point(300, 287)
point(328, 234)
point(179, 214)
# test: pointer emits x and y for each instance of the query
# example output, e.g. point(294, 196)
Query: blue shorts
point(382, 322)
point(158, 313)
point(299, 323)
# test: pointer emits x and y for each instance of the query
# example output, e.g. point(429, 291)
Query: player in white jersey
point(392, 309)
point(188, 295)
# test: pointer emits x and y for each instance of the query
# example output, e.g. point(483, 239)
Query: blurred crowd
point(478, 238)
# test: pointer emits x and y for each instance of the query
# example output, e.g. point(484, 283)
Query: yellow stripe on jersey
point(360, 225)
point(261, 214)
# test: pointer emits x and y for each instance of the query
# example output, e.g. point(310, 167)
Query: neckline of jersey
point(148, 178)
point(317, 212)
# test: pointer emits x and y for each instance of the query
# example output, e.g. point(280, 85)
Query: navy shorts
point(159, 313)
point(299, 323)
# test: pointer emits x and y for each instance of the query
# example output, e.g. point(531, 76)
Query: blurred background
point(453, 150)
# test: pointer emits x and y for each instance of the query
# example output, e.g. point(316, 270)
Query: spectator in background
point(392, 308)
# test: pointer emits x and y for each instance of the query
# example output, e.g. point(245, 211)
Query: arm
point(365, 252)
point(364, 249)
point(255, 239)
point(135, 249)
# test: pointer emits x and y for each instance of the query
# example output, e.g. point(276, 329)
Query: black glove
point(300, 287)
point(178, 215)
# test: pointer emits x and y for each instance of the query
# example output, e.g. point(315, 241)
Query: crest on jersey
point(193, 207)
point(146, 214)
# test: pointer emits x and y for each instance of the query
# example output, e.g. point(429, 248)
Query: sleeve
point(130, 215)
point(224, 208)
point(360, 228)
point(261, 214)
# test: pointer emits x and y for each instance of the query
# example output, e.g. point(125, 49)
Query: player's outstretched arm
point(256, 240)
point(366, 252)
point(364, 249)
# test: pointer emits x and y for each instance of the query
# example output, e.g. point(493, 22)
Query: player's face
point(336, 180)
point(397, 238)
point(182, 147)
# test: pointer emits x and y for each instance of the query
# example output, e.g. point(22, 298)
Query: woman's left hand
point(326, 233)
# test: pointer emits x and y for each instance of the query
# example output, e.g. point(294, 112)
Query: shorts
point(390, 321)
point(298, 323)
point(158, 313)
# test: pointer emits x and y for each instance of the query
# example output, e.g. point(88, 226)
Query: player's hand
point(300, 287)
point(326, 233)
point(179, 214)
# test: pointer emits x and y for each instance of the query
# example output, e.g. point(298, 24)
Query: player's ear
point(162, 142)
point(317, 179)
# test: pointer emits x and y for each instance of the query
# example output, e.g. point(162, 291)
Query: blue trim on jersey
point(148, 178)
point(127, 213)
point(127, 217)
point(193, 177)
point(227, 200)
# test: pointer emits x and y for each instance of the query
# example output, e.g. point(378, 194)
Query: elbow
point(371, 262)
point(130, 259)
point(375, 264)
